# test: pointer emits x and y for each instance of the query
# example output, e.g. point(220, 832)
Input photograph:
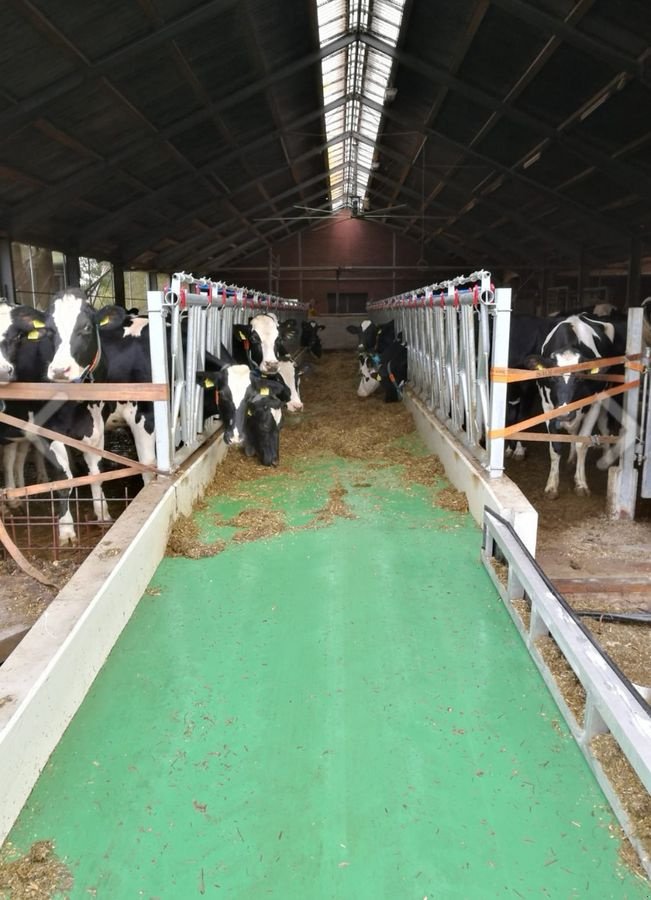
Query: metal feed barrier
point(205, 311)
point(451, 345)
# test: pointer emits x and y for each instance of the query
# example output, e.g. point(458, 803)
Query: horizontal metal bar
point(26, 390)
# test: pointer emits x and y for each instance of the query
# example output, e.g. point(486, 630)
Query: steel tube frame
point(447, 329)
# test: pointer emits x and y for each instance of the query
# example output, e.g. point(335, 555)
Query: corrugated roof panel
point(332, 19)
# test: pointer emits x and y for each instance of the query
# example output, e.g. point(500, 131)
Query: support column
point(118, 285)
point(633, 281)
point(7, 284)
point(580, 279)
point(73, 272)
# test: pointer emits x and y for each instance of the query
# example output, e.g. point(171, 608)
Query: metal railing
point(192, 318)
point(613, 704)
point(455, 331)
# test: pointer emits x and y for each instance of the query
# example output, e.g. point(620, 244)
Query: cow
point(575, 339)
point(370, 377)
point(373, 338)
point(250, 407)
point(388, 370)
point(260, 343)
point(526, 335)
point(104, 345)
point(393, 370)
point(310, 339)
point(24, 354)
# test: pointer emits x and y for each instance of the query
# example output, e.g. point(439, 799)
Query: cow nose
point(270, 367)
point(60, 373)
point(294, 406)
point(6, 371)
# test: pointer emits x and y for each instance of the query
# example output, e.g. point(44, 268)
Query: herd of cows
point(250, 386)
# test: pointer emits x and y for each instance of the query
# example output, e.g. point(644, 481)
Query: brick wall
point(340, 256)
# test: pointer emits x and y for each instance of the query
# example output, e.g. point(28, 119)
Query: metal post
point(622, 480)
point(7, 283)
point(497, 416)
point(158, 352)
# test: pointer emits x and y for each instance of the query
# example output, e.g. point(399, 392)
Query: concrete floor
point(342, 710)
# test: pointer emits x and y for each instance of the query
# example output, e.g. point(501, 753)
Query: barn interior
point(336, 153)
point(344, 153)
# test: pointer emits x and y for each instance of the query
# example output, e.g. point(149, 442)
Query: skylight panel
point(355, 76)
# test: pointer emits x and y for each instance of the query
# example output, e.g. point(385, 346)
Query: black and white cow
point(527, 332)
point(387, 370)
point(575, 339)
point(105, 345)
point(260, 343)
point(250, 406)
point(24, 355)
point(371, 337)
point(310, 339)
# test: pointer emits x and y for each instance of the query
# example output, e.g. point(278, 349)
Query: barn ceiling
point(167, 134)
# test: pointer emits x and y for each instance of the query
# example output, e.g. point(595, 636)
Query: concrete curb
point(467, 475)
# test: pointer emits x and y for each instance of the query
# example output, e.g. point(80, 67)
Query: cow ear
point(534, 361)
point(205, 380)
point(30, 320)
point(289, 328)
point(108, 318)
point(320, 327)
point(353, 329)
point(278, 388)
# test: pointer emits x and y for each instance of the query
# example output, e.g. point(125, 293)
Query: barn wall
point(341, 256)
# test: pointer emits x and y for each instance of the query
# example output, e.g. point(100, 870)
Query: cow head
point(261, 435)
point(369, 371)
point(74, 327)
point(310, 337)
point(557, 391)
point(291, 373)
point(20, 326)
point(366, 334)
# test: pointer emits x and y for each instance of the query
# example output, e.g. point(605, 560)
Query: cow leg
point(100, 505)
point(139, 419)
point(611, 452)
point(581, 488)
point(141, 425)
point(551, 488)
point(92, 460)
point(67, 533)
point(10, 470)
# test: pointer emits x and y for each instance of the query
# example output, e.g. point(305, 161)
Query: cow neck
point(89, 372)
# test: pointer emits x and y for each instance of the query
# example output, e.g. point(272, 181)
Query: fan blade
point(383, 210)
point(290, 218)
point(415, 216)
point(317, 209)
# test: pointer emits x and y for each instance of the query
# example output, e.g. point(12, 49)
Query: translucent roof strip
point(353, 76)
